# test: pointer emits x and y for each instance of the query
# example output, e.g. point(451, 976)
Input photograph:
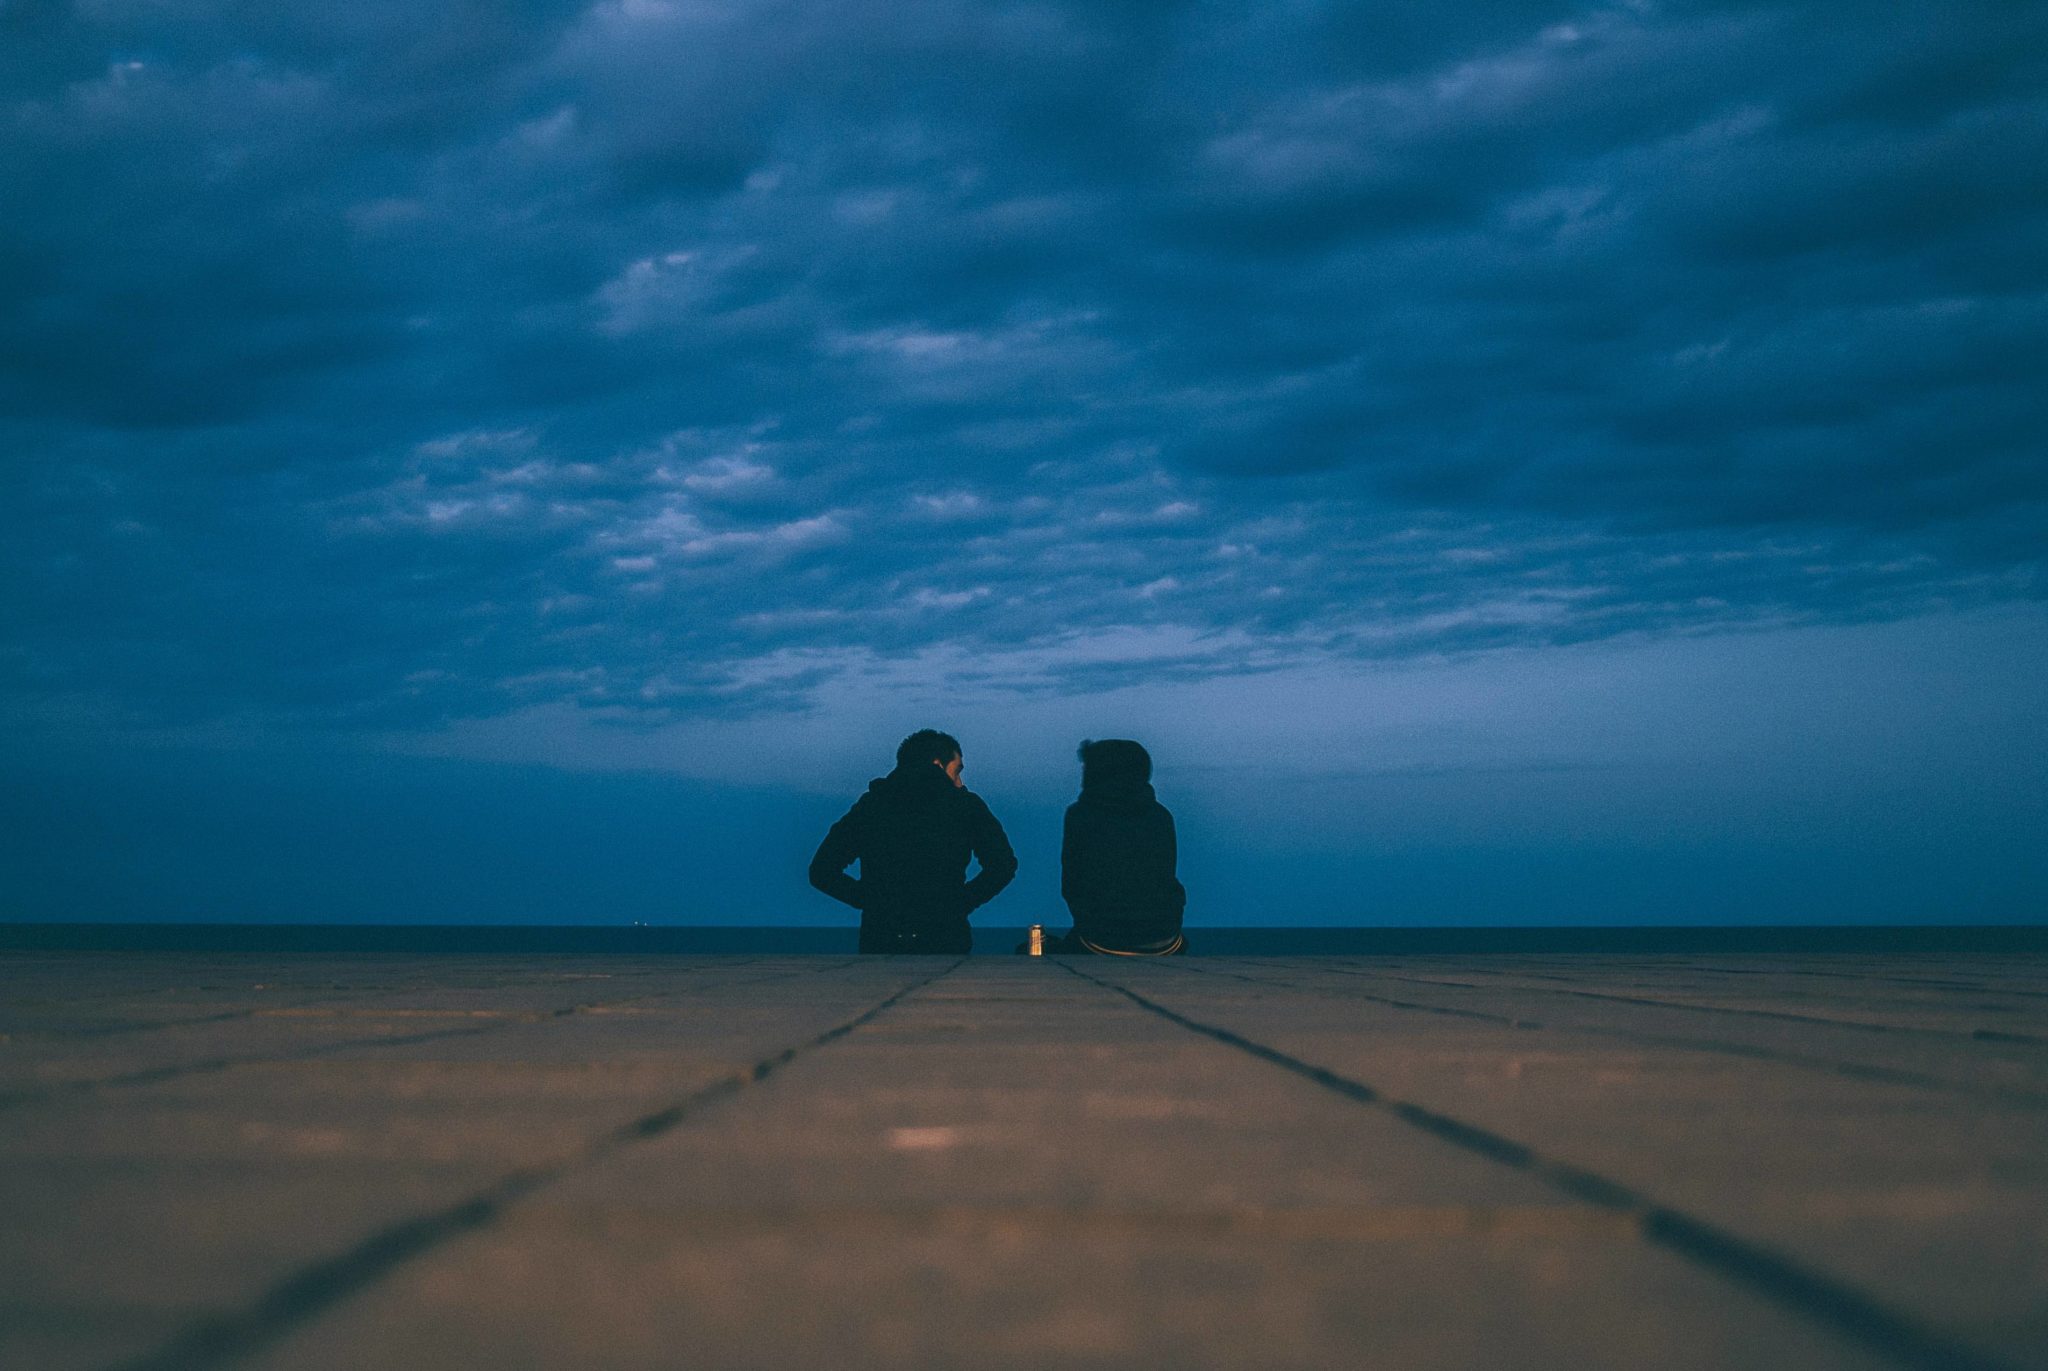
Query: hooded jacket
point(913, 833)
point(1117, 859)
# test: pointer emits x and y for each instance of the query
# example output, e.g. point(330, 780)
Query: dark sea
point(502, 940)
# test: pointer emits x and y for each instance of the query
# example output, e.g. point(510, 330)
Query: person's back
point(1117, 857)
point(913, 834)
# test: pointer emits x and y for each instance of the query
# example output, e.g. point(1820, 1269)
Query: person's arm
point(840, 850)
point(992, 849)
point(1180, 892)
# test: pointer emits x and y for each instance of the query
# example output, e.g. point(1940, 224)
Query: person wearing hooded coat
point(913, 833)
point(1117, 858)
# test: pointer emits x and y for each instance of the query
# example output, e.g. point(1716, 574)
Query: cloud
point(663, 358)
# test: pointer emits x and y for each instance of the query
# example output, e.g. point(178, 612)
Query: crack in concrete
point(1813, 1294)
point(314, 1289)
point(1862, 1071)
point(155, 1075)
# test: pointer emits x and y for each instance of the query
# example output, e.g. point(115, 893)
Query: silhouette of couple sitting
point(915, 829)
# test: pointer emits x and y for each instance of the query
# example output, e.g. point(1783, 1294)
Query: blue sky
point(1516, 462)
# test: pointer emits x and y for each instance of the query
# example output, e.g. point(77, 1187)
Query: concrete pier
point(1566, 1161)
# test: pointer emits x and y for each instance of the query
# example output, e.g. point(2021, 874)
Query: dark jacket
point(1117, 862)
point(912, 834)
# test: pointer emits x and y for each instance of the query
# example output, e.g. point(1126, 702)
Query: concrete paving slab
point(1562, 1161)
point(1929, 1203)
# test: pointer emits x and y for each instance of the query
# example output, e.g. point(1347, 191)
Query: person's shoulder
point(972, 802)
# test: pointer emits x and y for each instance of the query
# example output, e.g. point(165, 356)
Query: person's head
point(1114, 761)
point(929, 747)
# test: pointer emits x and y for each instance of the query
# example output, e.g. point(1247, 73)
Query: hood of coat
point(1118, 792)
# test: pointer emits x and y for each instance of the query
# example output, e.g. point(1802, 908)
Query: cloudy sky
point(1514, 461)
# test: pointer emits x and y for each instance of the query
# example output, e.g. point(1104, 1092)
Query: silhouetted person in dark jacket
point(912, 834)
point(1117, 858)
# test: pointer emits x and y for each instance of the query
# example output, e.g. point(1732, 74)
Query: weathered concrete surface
point(1572, 1162)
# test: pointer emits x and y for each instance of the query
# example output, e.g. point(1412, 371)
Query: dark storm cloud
point(396, 362)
